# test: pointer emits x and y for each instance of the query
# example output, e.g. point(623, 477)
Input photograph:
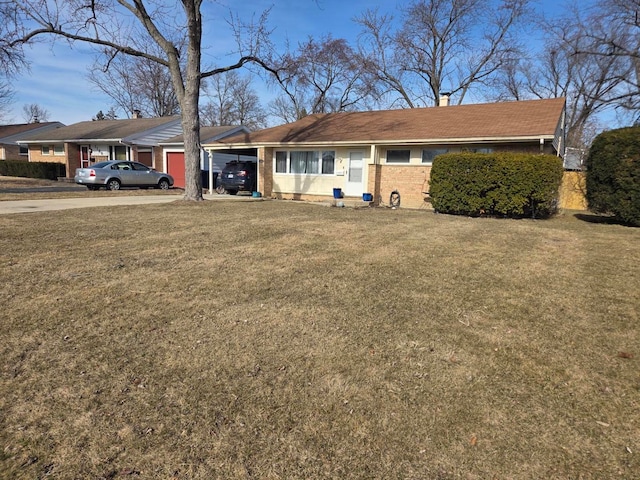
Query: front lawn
point(270, 340)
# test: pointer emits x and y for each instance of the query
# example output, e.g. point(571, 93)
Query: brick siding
point(410, 181)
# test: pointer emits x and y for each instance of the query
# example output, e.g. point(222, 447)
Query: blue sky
point(57, 78)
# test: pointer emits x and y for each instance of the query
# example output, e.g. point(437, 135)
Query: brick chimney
point(137, 113)
point(444, 99)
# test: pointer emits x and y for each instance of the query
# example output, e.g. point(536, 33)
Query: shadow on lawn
point(605, 219)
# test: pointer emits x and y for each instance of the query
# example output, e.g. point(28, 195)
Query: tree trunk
point(189, 99)
point(191, 133)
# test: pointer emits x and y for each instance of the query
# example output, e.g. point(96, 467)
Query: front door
point(85, 156)
point(354, 186)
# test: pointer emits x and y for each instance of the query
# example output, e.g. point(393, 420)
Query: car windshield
point(100, 164)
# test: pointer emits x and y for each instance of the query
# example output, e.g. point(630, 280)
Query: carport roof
point(209, 134)
point(503, 121)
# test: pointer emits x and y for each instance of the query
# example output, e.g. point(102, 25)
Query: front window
point(308, 162)
point(398, 156)
point(58, 149)
point(428, 154)
point(46, 150)
point(24, 150)
point(304, 162)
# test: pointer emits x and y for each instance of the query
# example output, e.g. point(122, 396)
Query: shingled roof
point(101, 130)
point(522, 120)
point(10, 133)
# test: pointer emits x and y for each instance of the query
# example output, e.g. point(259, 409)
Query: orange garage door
point(175, 168)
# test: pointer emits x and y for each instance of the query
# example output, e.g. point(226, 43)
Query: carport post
point(211, 186)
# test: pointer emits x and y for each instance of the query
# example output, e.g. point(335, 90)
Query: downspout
point(376, 174)
point(258, 168)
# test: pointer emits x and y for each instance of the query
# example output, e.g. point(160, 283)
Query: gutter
point(431, 141)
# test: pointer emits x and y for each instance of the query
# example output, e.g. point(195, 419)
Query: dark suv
point(237, 176)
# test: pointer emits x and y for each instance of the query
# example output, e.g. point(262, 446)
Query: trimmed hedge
point(613, 174)
point(499, 184)
point(15, 168)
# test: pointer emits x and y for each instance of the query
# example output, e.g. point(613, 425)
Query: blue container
point(367, 197)
point(337, 193)
point(256, 194)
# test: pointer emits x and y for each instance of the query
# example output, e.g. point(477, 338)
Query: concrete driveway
point(25, 206)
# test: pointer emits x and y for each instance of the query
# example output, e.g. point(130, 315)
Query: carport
point(228, 155)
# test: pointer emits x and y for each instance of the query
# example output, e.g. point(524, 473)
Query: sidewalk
point(25, 206)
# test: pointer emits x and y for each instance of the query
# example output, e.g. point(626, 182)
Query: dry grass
point(278, 340)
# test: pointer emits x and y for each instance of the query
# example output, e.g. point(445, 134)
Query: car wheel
point(113, 184)
point(220, 190)
point(163, 184)
point(232, 192)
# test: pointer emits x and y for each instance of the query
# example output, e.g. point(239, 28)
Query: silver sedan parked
point(115, 174)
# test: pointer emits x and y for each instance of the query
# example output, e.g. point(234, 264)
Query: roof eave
point(344, 143)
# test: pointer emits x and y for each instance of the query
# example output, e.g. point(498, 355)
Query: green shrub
point(14, 168)
point(501, 184)
point(613, 174)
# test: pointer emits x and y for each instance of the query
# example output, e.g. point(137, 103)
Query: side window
point(328, 162)
point(398, 156)
point(428, 154)
point(281, 162)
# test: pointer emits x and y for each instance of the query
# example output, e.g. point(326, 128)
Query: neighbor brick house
point(10, 149)
point(379, 152)
point(81, 144)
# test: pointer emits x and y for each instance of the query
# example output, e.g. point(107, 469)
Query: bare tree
point(232, 101)
point(136, 83)
point(6, 99)
point(120, 25)
point(612, 31)
point(572, 64)
point(110, 115)
point(219, 90)
point(34, 113)
point(12, 56)
point(440, 46)
point(321, 77)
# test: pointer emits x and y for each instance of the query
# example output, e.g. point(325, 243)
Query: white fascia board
point(77, 140)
